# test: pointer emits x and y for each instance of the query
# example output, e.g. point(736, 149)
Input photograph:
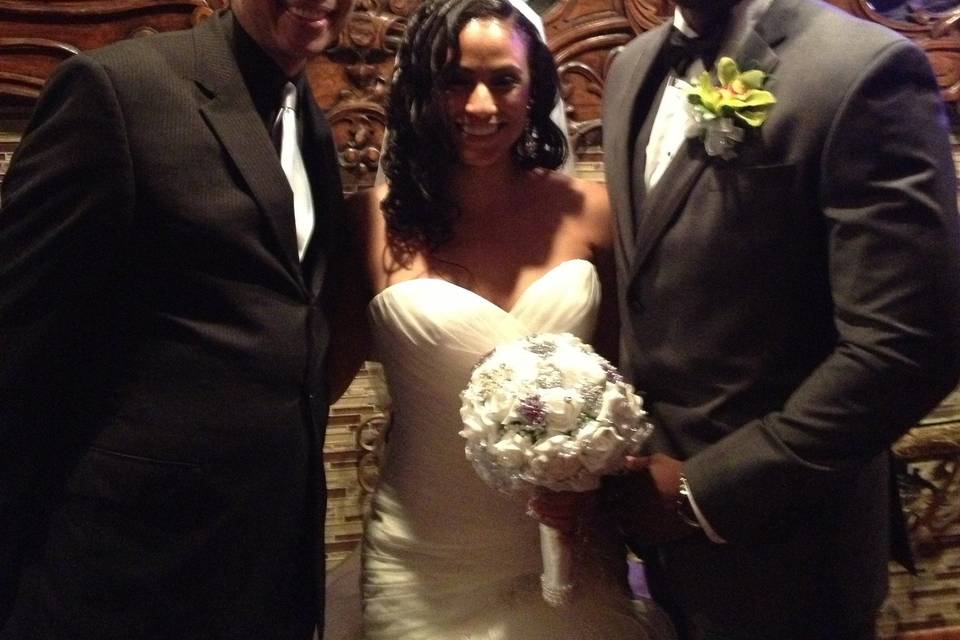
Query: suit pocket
point(757, 189)
point(123, 487)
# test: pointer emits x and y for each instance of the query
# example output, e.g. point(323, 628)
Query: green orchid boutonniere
point(719, 111)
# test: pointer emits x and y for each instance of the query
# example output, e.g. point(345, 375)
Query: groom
point(788, 312)
point(163, 332)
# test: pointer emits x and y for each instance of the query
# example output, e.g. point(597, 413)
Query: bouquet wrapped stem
point(557, 554)
point(547, 411)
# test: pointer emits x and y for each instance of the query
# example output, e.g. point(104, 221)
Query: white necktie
point(285, 130)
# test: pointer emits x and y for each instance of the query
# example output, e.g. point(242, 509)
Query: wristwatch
point(684, 506)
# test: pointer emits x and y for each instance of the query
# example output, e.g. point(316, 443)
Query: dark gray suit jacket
point(162, 387)
point(790, 313)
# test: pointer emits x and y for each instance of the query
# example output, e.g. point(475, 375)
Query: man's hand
point(645, 500)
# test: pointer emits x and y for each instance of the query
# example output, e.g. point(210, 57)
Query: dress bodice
point(444, 555)
point(428, 335)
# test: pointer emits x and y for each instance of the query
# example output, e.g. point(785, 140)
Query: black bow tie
point(681, 50)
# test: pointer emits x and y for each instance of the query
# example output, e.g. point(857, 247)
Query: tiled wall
point(7, 145)
point(931, 599)
point(353, 419)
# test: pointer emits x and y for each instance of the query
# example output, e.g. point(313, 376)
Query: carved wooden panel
point(936, 33)
point(36, 35)
point(584, 35)
point(351, 83)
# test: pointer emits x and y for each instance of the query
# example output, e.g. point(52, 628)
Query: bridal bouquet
point(548, 411)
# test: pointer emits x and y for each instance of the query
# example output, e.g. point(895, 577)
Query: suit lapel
point(619, 146)
point(231, 115)
point(666, 200)
point(319, 157)
point(756, 49)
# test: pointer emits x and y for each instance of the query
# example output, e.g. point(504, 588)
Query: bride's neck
point(482, 190)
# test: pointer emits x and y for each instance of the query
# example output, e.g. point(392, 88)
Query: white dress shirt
point(673, 117)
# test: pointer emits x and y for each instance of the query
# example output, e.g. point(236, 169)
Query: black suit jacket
point(790, 313)
point(163, 397)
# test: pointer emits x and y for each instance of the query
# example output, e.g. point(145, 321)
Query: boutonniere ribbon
point(721, 111)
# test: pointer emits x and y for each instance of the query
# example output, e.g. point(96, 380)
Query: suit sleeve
point(65, 201)
point(888, 196)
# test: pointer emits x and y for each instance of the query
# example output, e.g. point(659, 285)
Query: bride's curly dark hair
point(419, 154)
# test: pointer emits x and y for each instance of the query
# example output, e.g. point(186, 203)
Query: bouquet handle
point(557, 579)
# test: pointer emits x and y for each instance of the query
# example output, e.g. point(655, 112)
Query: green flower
point(738, 94)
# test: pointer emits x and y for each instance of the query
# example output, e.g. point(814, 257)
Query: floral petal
point(727, 70)
point(753, 78)
point(754, 118)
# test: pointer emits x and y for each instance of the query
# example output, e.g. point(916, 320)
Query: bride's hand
point(562, 510)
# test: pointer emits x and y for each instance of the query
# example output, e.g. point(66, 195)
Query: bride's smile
point(487, 93)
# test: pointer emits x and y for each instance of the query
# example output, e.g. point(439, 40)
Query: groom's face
point(712, 6)
point(709, 9)
point(705, 16)
point(292, 31)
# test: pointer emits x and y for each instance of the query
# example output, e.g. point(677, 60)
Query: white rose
point(561, 408)
point(496, 408)
point(511, 451)
point(601, 448)
point(578, 368)
point(621, 407)
point(554, 459)
point(474, 428)
point(521, 364)
point(482, 418)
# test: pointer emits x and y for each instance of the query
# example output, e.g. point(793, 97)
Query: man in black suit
point(163, 330)
point(789, 309)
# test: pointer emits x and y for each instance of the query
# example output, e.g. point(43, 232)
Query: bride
point(473, 241)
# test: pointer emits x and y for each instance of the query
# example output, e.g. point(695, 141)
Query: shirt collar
point(262, 76)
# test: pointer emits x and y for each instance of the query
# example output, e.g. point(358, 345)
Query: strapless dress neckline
point(435, 282)
point(446, 557)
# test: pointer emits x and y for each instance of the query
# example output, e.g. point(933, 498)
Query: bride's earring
point(528, 143)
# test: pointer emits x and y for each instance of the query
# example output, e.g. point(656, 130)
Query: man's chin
point(708, 6)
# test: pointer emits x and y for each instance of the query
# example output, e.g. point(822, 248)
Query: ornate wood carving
point(35, 36)
point(936, 33)
point(351, 82)
point(584, 36)
point(36, 57)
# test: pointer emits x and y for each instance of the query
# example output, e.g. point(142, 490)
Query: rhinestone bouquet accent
point(548, 411)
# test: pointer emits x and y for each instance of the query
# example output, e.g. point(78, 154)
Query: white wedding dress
point(444, 556)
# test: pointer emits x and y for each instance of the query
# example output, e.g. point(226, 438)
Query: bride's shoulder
point(574, 192)
point(584, 205)
point(584, 202)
